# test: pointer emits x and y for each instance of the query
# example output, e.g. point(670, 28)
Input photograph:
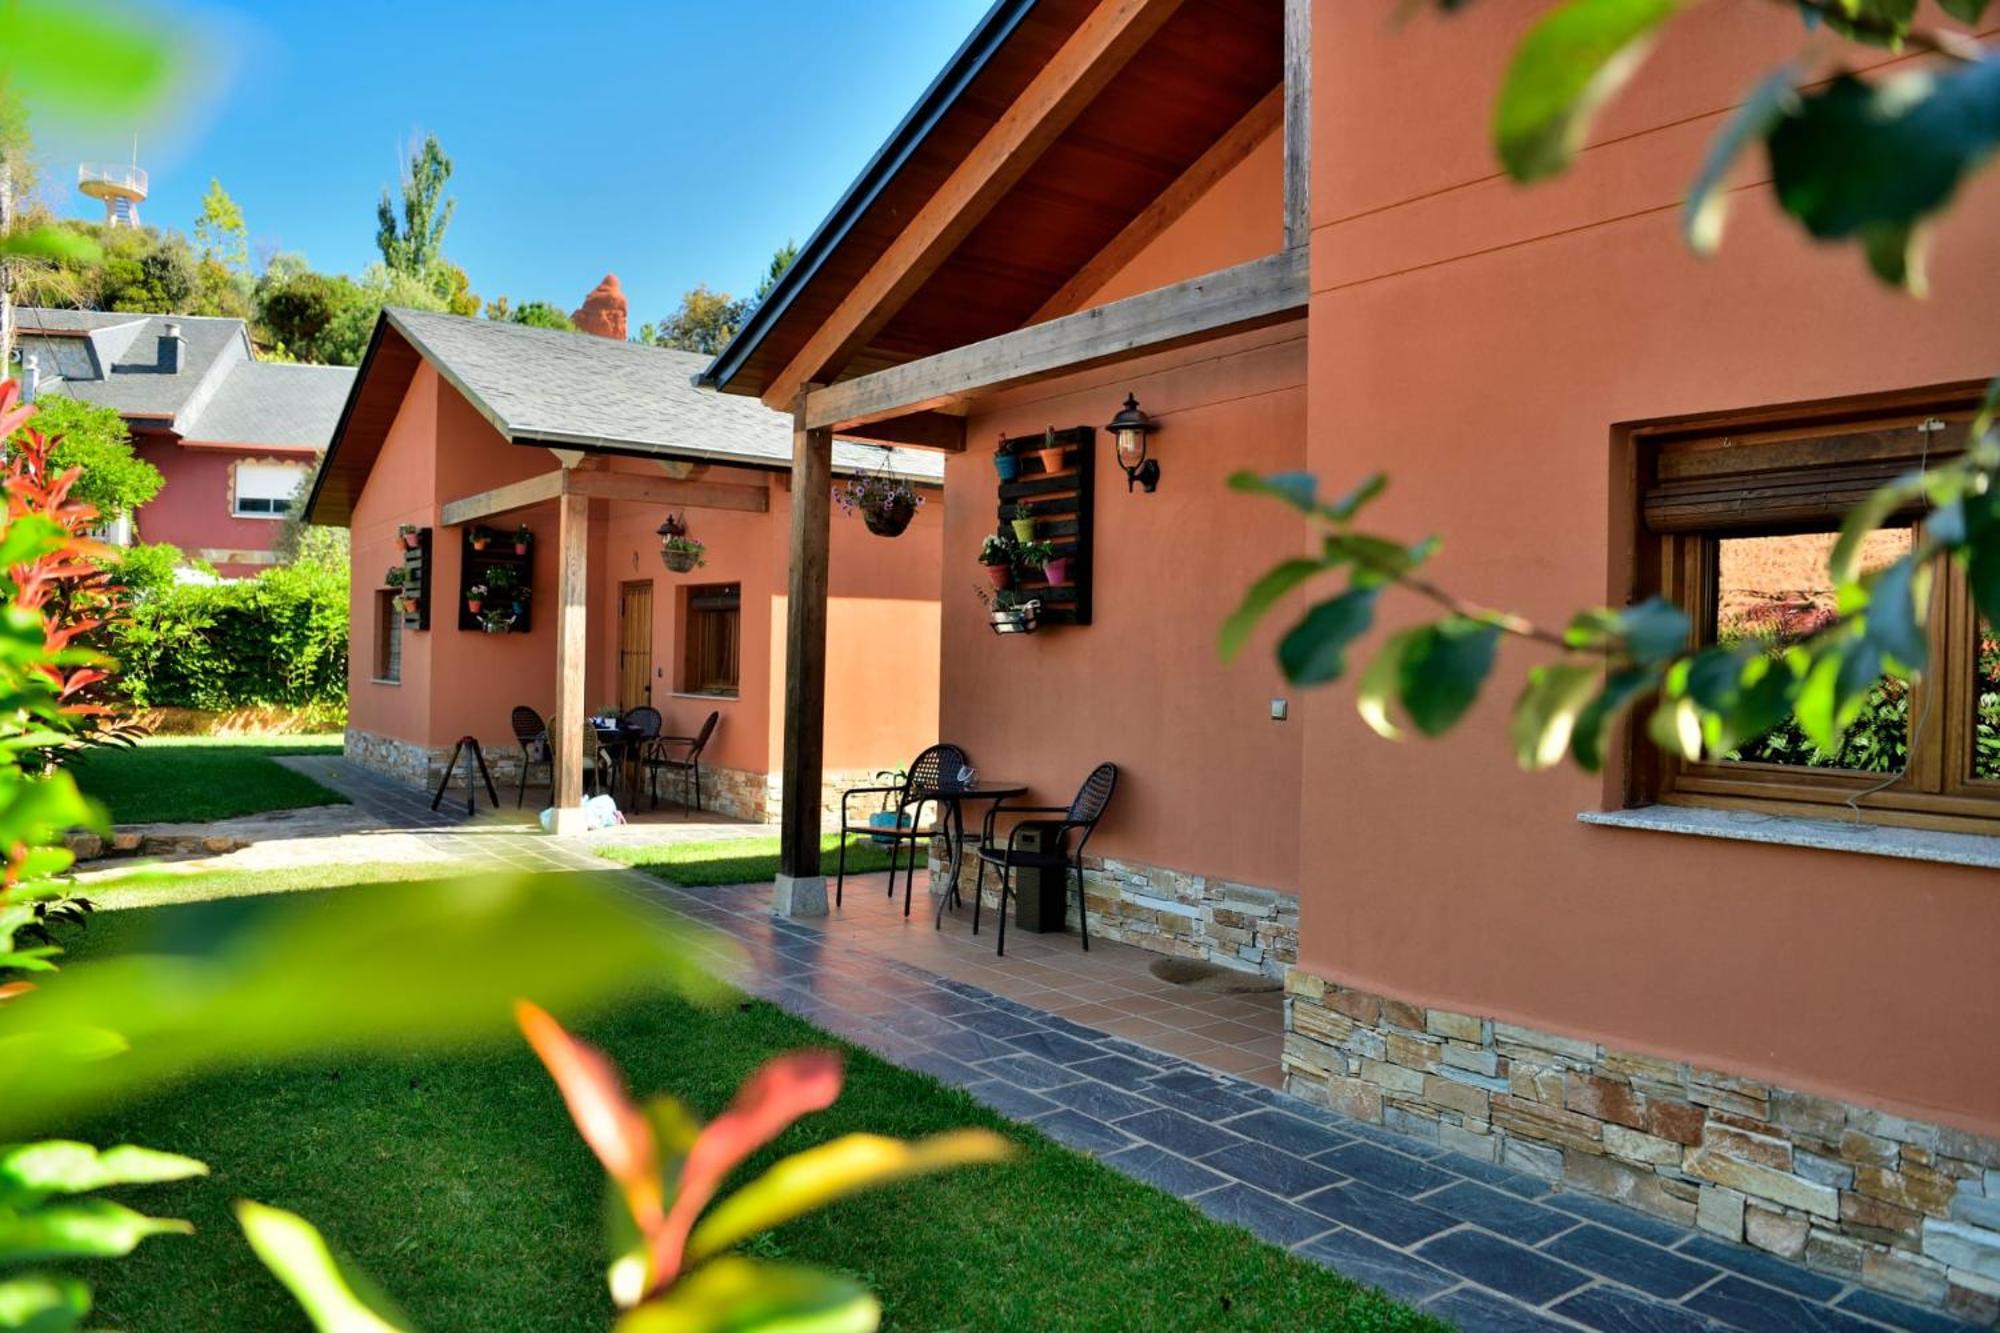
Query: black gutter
point(943, 93)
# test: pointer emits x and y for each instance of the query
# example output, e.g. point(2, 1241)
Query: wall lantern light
point(678, 551)
point(1130, 429)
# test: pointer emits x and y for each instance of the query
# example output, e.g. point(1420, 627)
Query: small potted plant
point(682, 553)
point(521, 601)
point(1024, 521)
point(482, 536)
point(409, 603)
point(1005, 461)
point(475, 597)
point(521, 535)
point(396, 576)
point(1008, 611)
point(996, 556)
point(1055, 568)
point(886, 503)
point(497, 621)
point(1051, 453)
point(408, 533)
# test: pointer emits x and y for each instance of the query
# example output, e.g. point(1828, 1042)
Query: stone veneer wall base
point(1907, 1208)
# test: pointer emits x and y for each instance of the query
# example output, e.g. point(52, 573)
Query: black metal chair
point(1057, 855)
point(660, 754)
point(533, 735)
point(644, 722)
point(933, 770)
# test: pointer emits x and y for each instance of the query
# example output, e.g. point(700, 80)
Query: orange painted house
point(1752, 995)
point(460, 427)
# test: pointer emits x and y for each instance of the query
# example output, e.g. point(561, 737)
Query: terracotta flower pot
point(410, 540)
point(1002, 575)
point(1056, 571)
point(520, 548)
point(478, 543)
point(1052, 459)
point(889, 520)
point(1024, 530)
point(473, 604)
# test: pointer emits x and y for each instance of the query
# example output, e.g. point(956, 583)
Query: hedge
point(280, 638)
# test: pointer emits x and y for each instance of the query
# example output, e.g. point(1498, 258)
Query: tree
point(297, 310)
point(1869, 161)
point(541, 315)
point(417, 244)
point(705, 322)
point(111, 478)
point(781, 260)
point(346, 335)
point(219, 232)
point(454, 288)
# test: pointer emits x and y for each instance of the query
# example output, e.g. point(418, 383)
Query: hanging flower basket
point(497, 622)
point(682, 555)
point(1022, 619)
point(885, 501)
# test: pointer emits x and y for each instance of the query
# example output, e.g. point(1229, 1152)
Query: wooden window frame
point(692, 639)
point(1799, 470)
point(387, 668)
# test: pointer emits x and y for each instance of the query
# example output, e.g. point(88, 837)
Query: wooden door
point(635, 644)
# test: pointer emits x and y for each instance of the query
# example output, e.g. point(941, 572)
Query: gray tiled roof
point(582, 390)
point(220, 393)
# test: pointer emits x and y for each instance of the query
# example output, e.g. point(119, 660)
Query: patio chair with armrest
point(681, 756)
point(936, 767)
point(1056, 854)
point(533, 735)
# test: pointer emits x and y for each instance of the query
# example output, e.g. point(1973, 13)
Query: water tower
point(121, 188)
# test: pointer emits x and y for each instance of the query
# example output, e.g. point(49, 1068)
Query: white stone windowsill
point(383, 680)
point(1831, 835)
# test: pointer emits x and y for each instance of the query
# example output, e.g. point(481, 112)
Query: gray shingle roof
point(219, 394)
point(586, 391)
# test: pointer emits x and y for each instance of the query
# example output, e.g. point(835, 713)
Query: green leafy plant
point(395, 576)
point(997, 549)
point(1034, 554)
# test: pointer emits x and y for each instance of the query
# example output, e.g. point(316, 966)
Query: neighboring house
point(233, 437)
point(1671, 984)
point(589, 444)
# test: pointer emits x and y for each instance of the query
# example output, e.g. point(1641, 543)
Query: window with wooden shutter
point(1737, 520)
point(711, 638)
point(388, 637)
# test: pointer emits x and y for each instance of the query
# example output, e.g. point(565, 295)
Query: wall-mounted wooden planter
point(1064, 500)
point(417, 575)
point(478, 568)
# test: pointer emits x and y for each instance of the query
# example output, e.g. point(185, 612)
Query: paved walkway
point(1478, 1245)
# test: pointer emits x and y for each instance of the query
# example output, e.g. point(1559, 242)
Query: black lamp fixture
point(1129, 429)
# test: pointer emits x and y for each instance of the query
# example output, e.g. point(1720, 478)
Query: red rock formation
point(603, 311)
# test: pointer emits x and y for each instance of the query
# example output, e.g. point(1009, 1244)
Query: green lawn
point(742, 860)
point(457, 1183)
point(188, 779)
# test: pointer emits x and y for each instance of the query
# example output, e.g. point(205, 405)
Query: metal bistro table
point(950, 799)
point(622, 746)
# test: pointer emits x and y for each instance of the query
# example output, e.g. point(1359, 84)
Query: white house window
point(265, 490)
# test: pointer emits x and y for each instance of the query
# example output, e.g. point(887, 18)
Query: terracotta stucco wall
point(192, 509)
point(401, 489)
point(1481, 342)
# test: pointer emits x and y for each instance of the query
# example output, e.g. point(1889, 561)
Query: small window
point(1739, 522)
point(710, 638)
point(265, 490)
point(388, 637)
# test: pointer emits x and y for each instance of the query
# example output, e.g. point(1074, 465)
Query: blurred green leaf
point(1571, 62)
point(1263, 594)
point(30, 1172)
point(731, 1295)
point(1442, 668)
point(1965, 11)
point(418, 963)
point(1300, 490)
point(1875, 22)
point(50, 243)
point(1314, 652)
point(298, 1256)
point(79, 1229)
point(42, 1303)
point(86, 61)
point(1586, 744)
point(1707, 202)
point(1545, 714)
point(1895, 615)
point(1381, 683)
point(1653, 631)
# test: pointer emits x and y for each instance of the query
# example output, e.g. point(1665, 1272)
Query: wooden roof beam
point(1261, 292)
point(1094, 54)
point(1298, 123)
point(595, 484)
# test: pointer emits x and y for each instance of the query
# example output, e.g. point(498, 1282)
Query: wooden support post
point(800, 887)
point(572, 593)
point(1298, 123)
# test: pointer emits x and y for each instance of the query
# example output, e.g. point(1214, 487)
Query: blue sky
point(671, 142)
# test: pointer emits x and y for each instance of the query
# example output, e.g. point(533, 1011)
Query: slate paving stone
point(943, 1067)
point(1502, 1265)
point(1164, 1170)
point(1643, 1225)
point(995, 1024)
point(1056, 1047)
point(1117, 1070)
point(1182, 1133)
point(1388, 1138)
point(1081, 1132)
point(1007, 1099)
point(970, 1046)
point(1473, 1311)
point(1614, 1311)
point(1210, 1103)
point(1376, 1265)
point(1379, 1213)
point(1271, 1169)
point(1159, 1060)
point(1491, 1173)
point(1387, 1170)
point(1900, 1314)
point(1748, 1305)
point(1272, 1219)
point(1099, 1099)
point(1627, 1259)
point(1029, 1071)
point(1287, 1132)
point(1501, 1212)
point(1764, 1267)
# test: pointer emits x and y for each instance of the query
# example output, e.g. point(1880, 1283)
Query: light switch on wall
point(1280, 709)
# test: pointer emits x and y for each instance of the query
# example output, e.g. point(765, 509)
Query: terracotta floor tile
point(1175, 1041)
point(1237, 1060)
point(1138, 1029)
